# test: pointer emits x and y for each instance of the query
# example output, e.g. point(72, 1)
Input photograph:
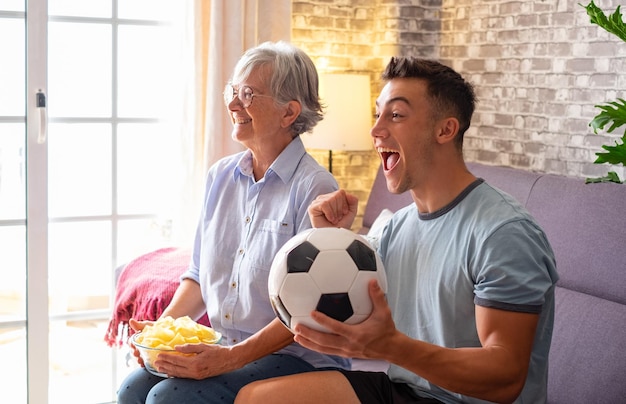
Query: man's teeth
point(385, 150)
point(242, 121)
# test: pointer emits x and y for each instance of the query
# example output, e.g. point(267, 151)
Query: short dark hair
point(450, 93)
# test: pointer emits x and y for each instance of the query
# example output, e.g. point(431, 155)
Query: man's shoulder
point(497, 203)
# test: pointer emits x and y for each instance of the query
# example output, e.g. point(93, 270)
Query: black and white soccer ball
point(325, 269)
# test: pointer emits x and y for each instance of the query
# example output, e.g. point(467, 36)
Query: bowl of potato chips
point(166, 333)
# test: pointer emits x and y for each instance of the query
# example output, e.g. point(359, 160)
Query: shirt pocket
point(279, 227)
point(267, 240)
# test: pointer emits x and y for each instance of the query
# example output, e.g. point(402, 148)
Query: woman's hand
point(137, 326)
point(199, 362)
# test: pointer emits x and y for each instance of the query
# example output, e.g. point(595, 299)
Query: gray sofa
point(586, 225)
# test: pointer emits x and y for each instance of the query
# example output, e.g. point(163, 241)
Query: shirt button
point(233, 285)
point(248, 219)
point(227, 316)
point(234, 341)
point(240, 251)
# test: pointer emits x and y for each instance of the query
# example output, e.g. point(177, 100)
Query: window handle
point(43, 117)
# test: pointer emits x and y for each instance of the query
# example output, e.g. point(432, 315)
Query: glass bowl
point(149, 354)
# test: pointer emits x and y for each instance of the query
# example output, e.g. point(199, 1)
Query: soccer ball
point(325, 269)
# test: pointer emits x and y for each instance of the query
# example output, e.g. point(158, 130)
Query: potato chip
point(167, 332)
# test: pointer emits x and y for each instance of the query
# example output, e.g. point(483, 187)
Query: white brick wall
point(539, 68)
point(545, 67)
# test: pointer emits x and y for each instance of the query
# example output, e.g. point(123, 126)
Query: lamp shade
point(348, 114)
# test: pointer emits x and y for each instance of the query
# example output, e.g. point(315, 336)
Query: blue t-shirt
point(482, 249)
point(243, 224)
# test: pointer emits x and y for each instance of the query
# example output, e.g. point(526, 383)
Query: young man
point(469, 311)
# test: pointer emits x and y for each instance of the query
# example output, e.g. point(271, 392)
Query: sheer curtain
point(229, 27)
point(222, 31)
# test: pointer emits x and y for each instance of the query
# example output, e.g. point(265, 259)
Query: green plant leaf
point(614, 155)
point(613, 24)
point(610, 177)
point(614, 112)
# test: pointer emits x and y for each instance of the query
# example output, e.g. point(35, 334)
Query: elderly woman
point(254, 202)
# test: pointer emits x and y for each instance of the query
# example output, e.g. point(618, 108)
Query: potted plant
point(613, 114)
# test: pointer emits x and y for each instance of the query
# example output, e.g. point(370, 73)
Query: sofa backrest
point(517, 183)
point(586, 226)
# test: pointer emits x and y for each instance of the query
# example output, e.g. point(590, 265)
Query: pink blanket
point(144, 288)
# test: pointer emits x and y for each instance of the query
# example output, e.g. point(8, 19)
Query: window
point(101, 189)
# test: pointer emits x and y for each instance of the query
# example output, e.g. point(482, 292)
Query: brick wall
point(539, 68)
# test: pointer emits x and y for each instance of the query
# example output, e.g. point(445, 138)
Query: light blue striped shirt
point(243, 224)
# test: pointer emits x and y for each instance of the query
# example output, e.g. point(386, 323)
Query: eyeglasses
point(244, 93)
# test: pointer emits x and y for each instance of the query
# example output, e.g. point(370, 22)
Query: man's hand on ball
point(367, 339)
point(337, 209)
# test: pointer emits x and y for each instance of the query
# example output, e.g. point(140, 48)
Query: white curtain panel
point(235, 25)
point(218, 31)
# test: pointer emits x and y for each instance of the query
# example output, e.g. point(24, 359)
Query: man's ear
point(447, 129)
point(292, 112)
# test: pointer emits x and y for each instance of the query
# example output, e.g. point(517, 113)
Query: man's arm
point(336, 209)
point(496, 371)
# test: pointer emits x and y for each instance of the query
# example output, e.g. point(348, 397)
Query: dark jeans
point(140, 386)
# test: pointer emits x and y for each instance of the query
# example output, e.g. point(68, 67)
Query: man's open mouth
point(389, 157)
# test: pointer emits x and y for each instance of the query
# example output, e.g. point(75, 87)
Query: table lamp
point(348, 115)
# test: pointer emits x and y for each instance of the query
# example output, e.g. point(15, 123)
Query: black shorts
point(376, 388)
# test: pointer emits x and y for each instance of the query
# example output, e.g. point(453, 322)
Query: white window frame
point(37, 323)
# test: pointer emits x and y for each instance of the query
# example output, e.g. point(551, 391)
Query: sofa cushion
point(588, 355)
point(379, 224)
